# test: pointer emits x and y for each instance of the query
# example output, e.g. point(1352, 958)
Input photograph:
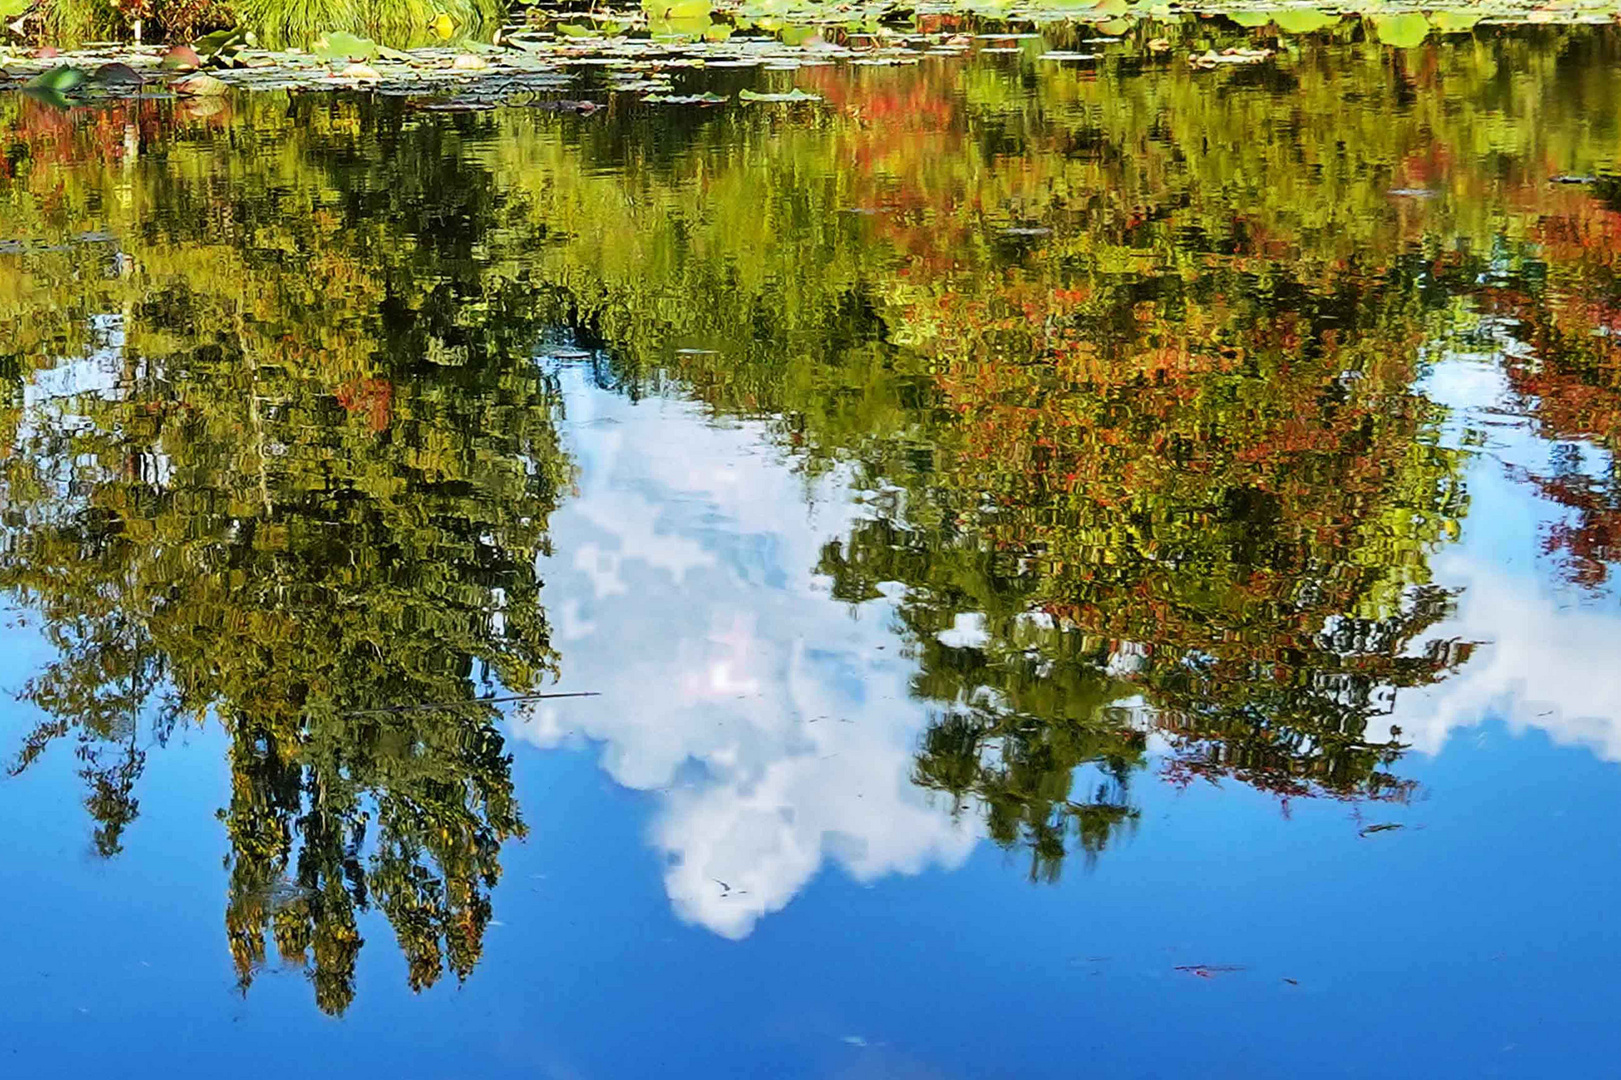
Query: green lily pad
point(796, 94)
point(1250, 18)
point(676, 9)
point(341, 45)
point(1303, 20)
point(58, 79)
point(1455, 22)
point(687, 26)
point(685, 99)
point(221, 46)
point(1402, 31)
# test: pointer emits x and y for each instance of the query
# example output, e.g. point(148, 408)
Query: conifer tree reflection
point(307, 495)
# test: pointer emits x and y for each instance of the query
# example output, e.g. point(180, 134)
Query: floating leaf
point(57, 79)
point(181, 58)
point(1250, 18)
point(116, 75)
point(1455, 22)
point(199, 86)
point(216, 41)
point(1211, 59)
point(676, 9)
point(342, 45)
point(1303, 20)
point(1402, 31)
point(684, 99)
point(796, 94)
point(221, 46)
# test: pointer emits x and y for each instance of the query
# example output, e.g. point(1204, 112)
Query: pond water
point(1083, 566)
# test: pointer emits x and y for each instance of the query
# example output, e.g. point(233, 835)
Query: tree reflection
point(1135, 417)
point(307, 494)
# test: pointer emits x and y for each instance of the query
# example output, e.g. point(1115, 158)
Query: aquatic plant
point(396, 23)
point(158, 20)
point(277, 23)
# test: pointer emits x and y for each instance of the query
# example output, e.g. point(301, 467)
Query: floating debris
point(1211, 59)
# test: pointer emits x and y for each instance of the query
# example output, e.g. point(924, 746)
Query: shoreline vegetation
point(483, 56)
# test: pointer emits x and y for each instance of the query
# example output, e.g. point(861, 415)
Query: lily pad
point(1455, 22)
point(685, 99)
point(221, 46)
point(676, 9)
point(58, 79)
point(1402, 31)
point(341, 45)
point(795, 94)
point(116, 76)
point(1303, 20)
point(181, 58)
point(199, 86)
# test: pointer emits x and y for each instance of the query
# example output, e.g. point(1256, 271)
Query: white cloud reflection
point(1548, 655)
point(1545, 664)
point(776, 728)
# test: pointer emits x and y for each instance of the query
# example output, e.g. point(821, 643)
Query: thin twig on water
point(472, 701)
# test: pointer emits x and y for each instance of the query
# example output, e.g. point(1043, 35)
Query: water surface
point(1097, 567)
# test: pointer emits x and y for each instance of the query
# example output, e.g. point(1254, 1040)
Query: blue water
point(1229, 934)
point(1048, 595)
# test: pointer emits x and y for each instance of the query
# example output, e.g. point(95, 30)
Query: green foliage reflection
point(1125, 367)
